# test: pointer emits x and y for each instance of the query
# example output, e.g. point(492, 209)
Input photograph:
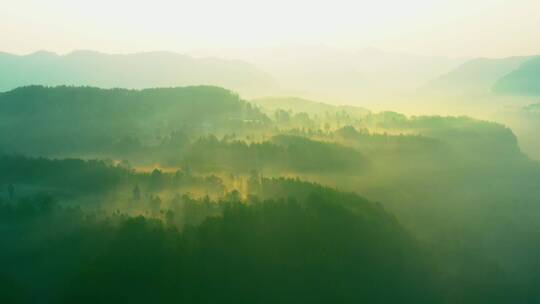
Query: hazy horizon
point(486, 28)
point(239, 53)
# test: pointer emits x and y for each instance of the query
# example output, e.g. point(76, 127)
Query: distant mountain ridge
point(523, 81)
point(336, 75)
point(476, 76)
point(136, 71)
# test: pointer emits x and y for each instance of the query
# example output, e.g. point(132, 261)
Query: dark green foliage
point(87, 120)
point(319, 245)
point(315, 249)
point(73, 178)
point(68, 174)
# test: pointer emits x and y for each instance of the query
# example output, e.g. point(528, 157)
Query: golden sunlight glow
point(452, 28)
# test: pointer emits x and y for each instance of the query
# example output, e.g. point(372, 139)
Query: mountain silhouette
point(136, 71)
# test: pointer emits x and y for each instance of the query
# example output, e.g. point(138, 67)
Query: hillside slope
point(476, 76)
point(48, 120)
point(524, 81)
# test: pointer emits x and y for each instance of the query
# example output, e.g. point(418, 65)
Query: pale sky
point(489, 28)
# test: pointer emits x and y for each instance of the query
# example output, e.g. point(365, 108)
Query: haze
point(482, 28)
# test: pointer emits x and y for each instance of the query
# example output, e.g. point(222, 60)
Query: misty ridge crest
point(137, 71)
point(522, 81)
point(326, 73)
point(516, 76)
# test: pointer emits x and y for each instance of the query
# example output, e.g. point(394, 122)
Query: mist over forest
point(259, 172)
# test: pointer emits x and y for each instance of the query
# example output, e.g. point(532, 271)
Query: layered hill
point(50, 119)
point(476, 76)
point(523, 81)
point(138, 71)
point(299, 105)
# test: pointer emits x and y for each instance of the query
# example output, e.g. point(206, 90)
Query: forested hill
point(193, 103)
point(245, 186)
point(138, 71)
point(306, 242)
point(45, 119)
